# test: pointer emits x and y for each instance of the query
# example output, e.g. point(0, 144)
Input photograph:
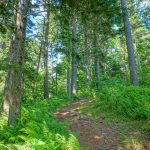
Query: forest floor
point(95, 134)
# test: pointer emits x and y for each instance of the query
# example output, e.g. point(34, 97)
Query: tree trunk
point(129, 43)
point(97, 71)
point(124, 69)
point(68, 81)
point(37, 70)
point(74, 58)
point(96, 61)
point(56, 84)
point(14, 81)
point(68, 56)
point(46, 92)
point(39, 59)
point(74, 75)
point(87, 66)
point(5, 102)
point(40, 53)
point(138, 57)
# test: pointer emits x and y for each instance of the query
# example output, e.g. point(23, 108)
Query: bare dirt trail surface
point(92, 134)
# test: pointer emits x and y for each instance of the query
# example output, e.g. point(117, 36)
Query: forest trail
point(92, 134)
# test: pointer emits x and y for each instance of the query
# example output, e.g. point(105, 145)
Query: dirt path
point(93, 134)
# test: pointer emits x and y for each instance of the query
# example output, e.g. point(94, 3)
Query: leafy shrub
point(38, 129)
point(126, 100)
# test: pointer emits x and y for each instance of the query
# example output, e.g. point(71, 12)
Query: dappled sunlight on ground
point(91, 134)
point(95, 134)
point(132, 143)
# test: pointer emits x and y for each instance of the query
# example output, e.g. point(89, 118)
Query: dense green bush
point(38, 129)
point(126, 100)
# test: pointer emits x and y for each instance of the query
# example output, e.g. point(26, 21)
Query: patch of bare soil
point(93, 134)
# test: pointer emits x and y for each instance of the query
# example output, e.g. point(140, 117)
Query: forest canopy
point(56, 52)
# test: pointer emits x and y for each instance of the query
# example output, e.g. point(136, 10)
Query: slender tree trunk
point(14, 81)
point(97, 71)
point(39, 59)
point(46, 92)
point(74, 75)
point(41, 51)
point(37, 70)
point(56, 88)
point(74, 58)
point(87, 66)
point(129, 43)
point(96, 61)
point(88, 75)
point(5, 103)
point(139, 61)
point(68, 81)
point(138, 58)
point(124, 69)
point(68, 56)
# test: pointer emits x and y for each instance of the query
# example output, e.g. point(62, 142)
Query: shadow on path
point(93, 134)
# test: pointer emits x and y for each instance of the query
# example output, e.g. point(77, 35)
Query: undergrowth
point(38, 129)
point(119, 101)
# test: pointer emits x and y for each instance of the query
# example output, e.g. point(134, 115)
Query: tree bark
point(56, 77)
point(74, 75)
point(5, 102)
point(129, 43)
point(96, 61)
point(68, 81)
point(68, 56)
point(87, 66)
point(46, 91)
point(37, 69)
point(14, 81)
point(74, 58)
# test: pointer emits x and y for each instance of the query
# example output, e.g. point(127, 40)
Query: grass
point(123, 105)
point(121, 100)
point(114, 101)
point(120, 103)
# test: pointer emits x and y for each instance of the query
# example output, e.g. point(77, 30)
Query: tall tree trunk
point(74, 58)
point(129, 43)
point(87, 66)
point(37, 69)
point(96, 61)
point(74, 75)
point(56, 80)
point(138, 57)
point(41, 50)
point(14, 81)
point(39, 59)
point(68, 81)
point(139, 61)
point(68, 63)
point(124, 69)
point(5, 103)
point(46, 92)
point(97, 70)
